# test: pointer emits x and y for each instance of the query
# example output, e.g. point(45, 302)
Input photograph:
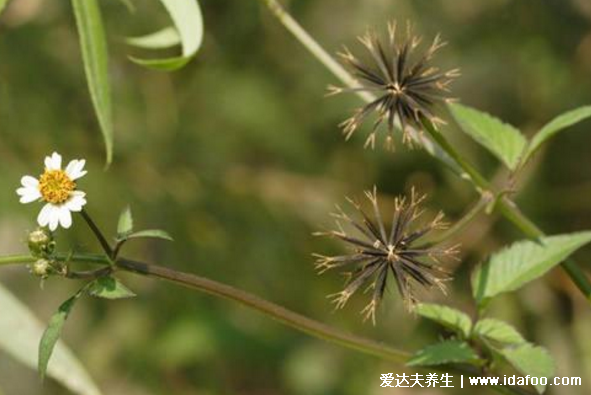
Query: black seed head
point(405, 84)
point(378, 254)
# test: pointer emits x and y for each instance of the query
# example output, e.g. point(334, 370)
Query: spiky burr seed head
point(378, 254)
point(403, 82)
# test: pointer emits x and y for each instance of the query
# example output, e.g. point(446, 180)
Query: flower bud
point(42, 268)
point(40, 242)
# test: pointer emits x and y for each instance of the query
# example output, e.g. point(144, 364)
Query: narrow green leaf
point(20, 332)
point(559, 123)
point(169, 64)
point(522, 262)
point(109, 288)
point(53, 333)
point(530, 360)
point(450, 351)
point(125, 224)
point(188, 21)
point(93, 44)
point(165, 38)
point(501, 139)
point(446, 316)
point(150, 233)
point(3, 4)
point(490, 329)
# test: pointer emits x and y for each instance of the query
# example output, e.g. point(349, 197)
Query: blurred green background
point(239, 157)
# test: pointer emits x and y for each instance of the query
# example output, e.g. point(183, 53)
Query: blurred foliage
point(239, 157)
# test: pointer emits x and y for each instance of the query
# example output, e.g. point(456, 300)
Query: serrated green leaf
point(501, 139)
point(165, 38)
point(522, 262)
point(150, 233)
point(109, 288)
point(491, 329)
point(93, 44)
point(446, 316)
point(530, 360)
point(188, 21)
point(125, 224)
point(53, 333)
point(451, 351)
point(559, 123)
point(20, 332)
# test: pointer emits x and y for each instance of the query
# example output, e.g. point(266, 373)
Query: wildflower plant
point(406, 94)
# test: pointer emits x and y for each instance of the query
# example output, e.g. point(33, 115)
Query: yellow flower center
point(55, 186)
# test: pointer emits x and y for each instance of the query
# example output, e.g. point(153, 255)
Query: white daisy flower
point(57, 188)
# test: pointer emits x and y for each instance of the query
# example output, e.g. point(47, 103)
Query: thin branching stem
point(288, 317)
point(463, 222)
point(505, 205)
point(81, 258)
point(98, 234)
point(89, 274)
point(312, 45)
point(117, 249)
point(281, 314)
point(510, 210)
point(16, 259)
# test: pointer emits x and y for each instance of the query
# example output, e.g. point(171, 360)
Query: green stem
point(16, 259)
point(287, 317)
point(459, 225)
point(90, 274)
point(279, 313)
point(81, 258)
point(98, 234)
point(509, 209)
point(505, 205)
point(312, 45)
point(479, 181)
point(117, 249)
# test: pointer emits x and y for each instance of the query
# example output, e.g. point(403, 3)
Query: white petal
point(78, 193)
point(28, 181)
point(71, 166)
point(28, 195)
point(54, 217)
point(65, 218)
point(81, 164)
point(53, 162)
point(76, 202)
point(44, 215)
point(75, 169)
